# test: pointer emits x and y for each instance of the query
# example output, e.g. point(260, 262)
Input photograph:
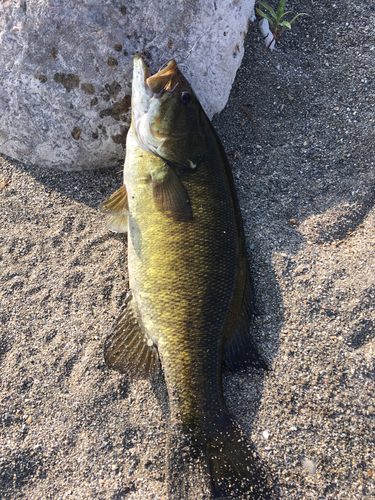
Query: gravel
point(299, 131)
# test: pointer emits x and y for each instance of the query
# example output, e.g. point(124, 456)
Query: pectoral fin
point(170, 195)
point(118, 210)
point(128, 349)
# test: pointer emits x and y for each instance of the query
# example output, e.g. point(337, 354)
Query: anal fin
point(128, 348)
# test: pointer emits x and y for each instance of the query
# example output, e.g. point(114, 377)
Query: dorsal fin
point(128, 348)
point(241, 350)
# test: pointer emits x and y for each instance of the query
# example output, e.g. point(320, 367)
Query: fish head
point(167, 118)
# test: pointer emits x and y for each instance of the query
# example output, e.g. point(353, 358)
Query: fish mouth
point(147, 87)
point(165, 80)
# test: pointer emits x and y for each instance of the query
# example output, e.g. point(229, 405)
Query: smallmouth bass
point(190, 301)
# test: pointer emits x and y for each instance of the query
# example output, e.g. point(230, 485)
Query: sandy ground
point(299, 131)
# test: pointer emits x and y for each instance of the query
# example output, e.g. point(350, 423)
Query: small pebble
point(308, 465)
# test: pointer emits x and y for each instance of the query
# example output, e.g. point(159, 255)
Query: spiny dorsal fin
point(116, 204)
point(128, 349)
point(241, 351)
point(171, 197)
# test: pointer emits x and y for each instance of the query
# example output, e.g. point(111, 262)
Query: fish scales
point(182, 276)
point(190, 300)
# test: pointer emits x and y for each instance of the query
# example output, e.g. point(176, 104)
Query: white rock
point(266, 33)
point(66, 69)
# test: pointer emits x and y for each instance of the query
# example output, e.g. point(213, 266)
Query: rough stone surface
point(65, 84)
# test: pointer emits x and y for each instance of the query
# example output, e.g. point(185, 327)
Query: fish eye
point(185, 98)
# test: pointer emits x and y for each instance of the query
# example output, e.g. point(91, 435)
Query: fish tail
point(234, 465)
point(182, 468)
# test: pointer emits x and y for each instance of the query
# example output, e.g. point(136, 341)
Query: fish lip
point(140, 71)
point(140, 75)
point(165, 77)
point(141, 93)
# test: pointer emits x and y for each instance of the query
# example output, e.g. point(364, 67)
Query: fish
point(190, 299)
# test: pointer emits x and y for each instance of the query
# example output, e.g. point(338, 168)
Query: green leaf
point(295, 17)
point(270, 9)
point(285, 13)
point(280, 9)
point(262, 14)
point(265, 16)
point(285, 23)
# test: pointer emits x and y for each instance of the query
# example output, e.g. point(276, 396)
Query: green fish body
point(190, 299)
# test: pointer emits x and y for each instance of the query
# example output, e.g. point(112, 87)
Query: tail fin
point(235, 468)
point(186, 476)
